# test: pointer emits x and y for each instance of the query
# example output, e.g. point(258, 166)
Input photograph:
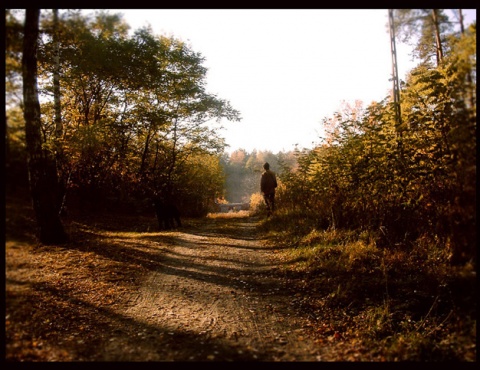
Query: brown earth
point(213, 290)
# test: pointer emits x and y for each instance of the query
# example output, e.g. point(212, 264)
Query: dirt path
point(213, 290)
point(217, 295)
point(122, 291)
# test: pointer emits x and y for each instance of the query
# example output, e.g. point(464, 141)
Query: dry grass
point(232, 214)
point(400, 304)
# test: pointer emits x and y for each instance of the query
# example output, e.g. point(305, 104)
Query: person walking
point(268, 183)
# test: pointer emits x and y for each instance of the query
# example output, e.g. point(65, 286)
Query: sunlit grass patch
point(333, 249)
point(237, 214)
point(360, 255)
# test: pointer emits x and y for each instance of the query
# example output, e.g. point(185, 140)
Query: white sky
point(285, 69)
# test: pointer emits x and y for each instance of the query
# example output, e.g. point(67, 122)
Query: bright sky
point(285, 69)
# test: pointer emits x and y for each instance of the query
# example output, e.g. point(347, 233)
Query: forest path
point(217, 293)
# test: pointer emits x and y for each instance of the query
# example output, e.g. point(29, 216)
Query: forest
point(98, 120)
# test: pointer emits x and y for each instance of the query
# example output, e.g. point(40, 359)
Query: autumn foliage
point(384, 205)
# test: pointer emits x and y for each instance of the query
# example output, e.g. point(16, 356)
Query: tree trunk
point(56, 79)
point(438, 41)
point(460, 16)
point(41, 162)
point(469, 90)
point(63, 178)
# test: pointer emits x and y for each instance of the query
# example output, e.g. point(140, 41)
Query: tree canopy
point(134, 109)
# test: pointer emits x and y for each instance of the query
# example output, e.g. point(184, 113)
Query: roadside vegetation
point(395, 304)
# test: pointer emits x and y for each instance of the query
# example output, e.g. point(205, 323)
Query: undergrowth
point(400, 303)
